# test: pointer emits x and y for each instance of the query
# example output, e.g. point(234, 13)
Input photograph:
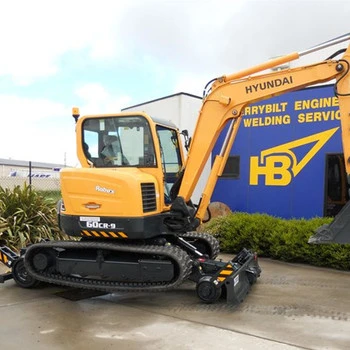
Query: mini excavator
point(129, 206)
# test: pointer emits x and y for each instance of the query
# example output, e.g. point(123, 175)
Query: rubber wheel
point(21, 276)
point(208, 292)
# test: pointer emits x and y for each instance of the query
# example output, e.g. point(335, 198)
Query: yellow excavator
point(130, 204)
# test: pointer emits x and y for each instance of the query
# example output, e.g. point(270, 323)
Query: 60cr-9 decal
point(91, 226)
point(103, 225)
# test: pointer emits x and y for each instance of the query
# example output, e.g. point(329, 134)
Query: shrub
point(277, 238)
point(26, 217)
point(51, 195)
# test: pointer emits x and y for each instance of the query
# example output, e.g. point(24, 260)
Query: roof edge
point(25, 163)
point(161, 98)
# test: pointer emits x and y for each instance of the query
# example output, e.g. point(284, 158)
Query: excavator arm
point(229, 96)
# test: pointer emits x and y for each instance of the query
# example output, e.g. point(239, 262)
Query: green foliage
point(26, 217)
point(51, 195)
point(277, 238)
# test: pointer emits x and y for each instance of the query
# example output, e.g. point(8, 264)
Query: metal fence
point(38, 184)
point(41, 177)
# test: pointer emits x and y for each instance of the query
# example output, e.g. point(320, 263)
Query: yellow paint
point(267, 121)
point(276, 171)
point(226, 272)
point(266, 108)
point(95, 233)
point(105, 234)
point(321, 116)
point(316, 103)
point(279, 164)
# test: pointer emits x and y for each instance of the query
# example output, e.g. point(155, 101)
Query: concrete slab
point(291, 307)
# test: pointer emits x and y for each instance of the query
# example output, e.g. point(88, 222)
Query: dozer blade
point(338, 231)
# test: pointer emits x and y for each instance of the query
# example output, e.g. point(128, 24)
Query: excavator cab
point(130, 163)
point(134, 141)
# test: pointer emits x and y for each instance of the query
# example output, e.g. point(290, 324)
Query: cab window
point(118, 141)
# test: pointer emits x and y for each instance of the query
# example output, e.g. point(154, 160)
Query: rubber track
point(183, 261)
point(210, 240)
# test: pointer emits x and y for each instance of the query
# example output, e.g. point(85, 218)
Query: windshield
point(118, 141)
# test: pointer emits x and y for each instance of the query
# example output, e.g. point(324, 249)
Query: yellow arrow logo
point(279, 164)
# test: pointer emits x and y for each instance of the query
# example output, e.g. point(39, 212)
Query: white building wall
point(182, 109)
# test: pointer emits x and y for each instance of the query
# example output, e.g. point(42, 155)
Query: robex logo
point(279, 165)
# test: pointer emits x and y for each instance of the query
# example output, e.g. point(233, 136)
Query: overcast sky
point(106, 55)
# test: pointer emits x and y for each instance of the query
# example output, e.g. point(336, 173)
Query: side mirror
point(187, 140)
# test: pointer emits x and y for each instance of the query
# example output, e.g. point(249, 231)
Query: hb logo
point(278, 165)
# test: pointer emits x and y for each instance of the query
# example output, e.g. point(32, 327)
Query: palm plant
point(26, 217)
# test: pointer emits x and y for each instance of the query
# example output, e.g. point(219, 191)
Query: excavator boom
point(229, 96)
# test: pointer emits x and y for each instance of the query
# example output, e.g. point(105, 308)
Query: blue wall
point(288, 180)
